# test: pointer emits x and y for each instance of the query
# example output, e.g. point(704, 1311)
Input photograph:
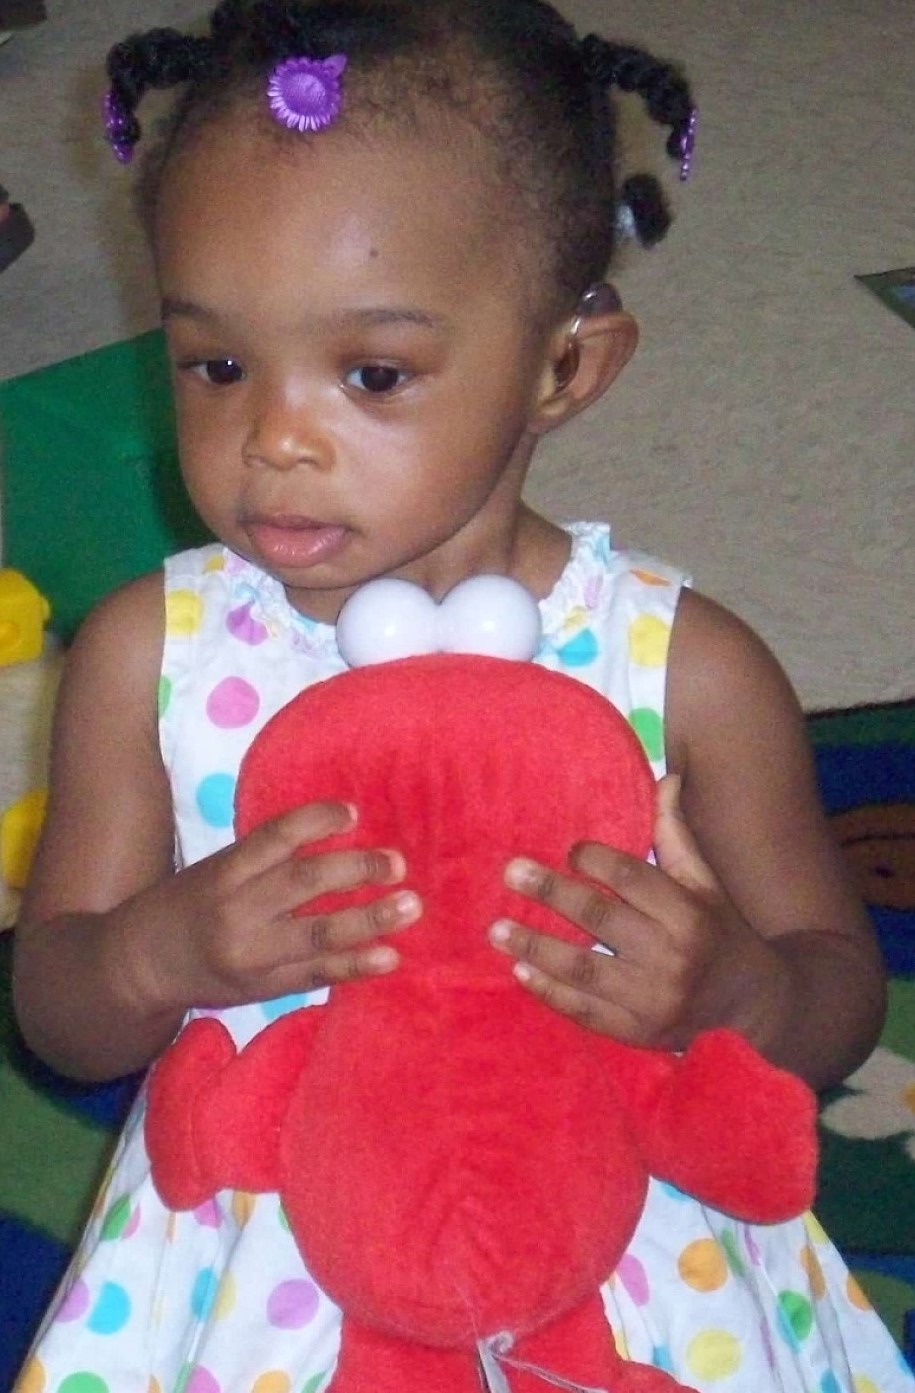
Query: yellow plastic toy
point(20, 825)
point(24, 611)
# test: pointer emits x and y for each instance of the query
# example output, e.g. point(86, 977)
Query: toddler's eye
point(376, 378)
point(219, 372)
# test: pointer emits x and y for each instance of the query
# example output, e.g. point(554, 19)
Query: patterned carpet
point(866, 762)
point(54, 1135)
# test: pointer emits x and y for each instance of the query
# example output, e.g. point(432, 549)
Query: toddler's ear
point(581, 366)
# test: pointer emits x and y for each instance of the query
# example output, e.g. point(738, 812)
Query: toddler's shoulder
point(724, 683)
point(128, 619)
point(121, 640)
point(712, 644)
point(111, 670)
point(146, 594)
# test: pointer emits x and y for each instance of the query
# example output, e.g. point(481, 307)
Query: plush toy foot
point(181, 1077)
point(576, 1352)
point(579, 1349)
point(372, 1362)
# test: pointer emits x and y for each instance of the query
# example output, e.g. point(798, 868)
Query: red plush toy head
point(461, 1165)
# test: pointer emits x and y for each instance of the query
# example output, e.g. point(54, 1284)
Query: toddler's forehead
point(374, 192)
point(429, 136)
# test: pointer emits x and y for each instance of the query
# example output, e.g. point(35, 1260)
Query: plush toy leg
point(214, 1116)
point(371, 1362)
point(579, 1348)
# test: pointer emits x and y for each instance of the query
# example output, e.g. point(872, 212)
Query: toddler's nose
point(284, 433)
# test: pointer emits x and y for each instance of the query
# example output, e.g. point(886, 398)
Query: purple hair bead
point(117, 127)
point(688, 143)
point(304, 93)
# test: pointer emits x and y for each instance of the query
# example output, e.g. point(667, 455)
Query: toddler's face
point(355, 362)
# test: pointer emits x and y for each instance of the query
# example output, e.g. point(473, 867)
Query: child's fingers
point(607, 918)
point(676, 849)
point(629, 900)
point(303, 878)
point(676, 893)
point(279, 838)
point(327, 948)
point(279, 871)
point(573, 963)
point(321, 935)
point(292, 952)
point(606, 1015)
point(589, 987)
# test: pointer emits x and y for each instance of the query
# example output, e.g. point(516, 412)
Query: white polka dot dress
point(217, 1300)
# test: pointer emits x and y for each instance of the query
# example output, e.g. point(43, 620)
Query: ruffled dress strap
point(608, 623)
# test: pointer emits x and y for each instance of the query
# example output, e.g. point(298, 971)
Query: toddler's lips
point(295, 541)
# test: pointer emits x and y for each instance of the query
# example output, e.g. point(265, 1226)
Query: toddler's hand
point(223, 931)
point(681, 953)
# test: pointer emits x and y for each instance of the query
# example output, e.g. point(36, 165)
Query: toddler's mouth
point(288, 540)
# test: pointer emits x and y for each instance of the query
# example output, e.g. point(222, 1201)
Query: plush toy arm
point(725, 1125)
point(179, 1166)
point(214, 1115)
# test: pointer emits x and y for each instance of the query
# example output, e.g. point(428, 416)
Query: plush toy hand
point(677, 944)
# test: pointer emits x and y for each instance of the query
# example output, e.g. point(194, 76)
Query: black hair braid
point(268, 31)
point(160, 58)
point(667, 99)
point(644, 197)
point(662, 87)
point(227, 21)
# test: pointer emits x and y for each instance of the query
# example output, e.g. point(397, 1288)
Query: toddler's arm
point(749, 919)
point(113, 946)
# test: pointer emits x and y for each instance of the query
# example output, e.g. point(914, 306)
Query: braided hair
point(515, 69)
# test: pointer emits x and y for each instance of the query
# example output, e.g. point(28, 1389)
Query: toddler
point(380, 232)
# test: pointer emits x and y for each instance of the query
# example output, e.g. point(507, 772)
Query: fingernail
point(381, 960)
point(522, 874)
point(522, 972)
point(352, 813)
point(407, 906)
point(500, 932)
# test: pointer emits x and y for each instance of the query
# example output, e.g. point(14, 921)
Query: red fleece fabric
point(456, 1160)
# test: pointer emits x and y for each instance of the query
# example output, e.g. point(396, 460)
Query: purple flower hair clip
point(117, 123)
point(688, 143)
point(304, 93)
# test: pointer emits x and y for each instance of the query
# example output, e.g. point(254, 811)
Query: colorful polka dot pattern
point(183, 612)
point(219, 1297)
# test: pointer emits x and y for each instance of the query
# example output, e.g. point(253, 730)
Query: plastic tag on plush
point(461, 1166)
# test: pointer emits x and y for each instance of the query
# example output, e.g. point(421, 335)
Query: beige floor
point(764, 435)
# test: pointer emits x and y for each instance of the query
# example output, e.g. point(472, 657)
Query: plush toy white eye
point(492, 615)
point(387, 619)
point(390, 618)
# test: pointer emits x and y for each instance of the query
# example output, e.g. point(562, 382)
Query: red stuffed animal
point(476, 1163)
